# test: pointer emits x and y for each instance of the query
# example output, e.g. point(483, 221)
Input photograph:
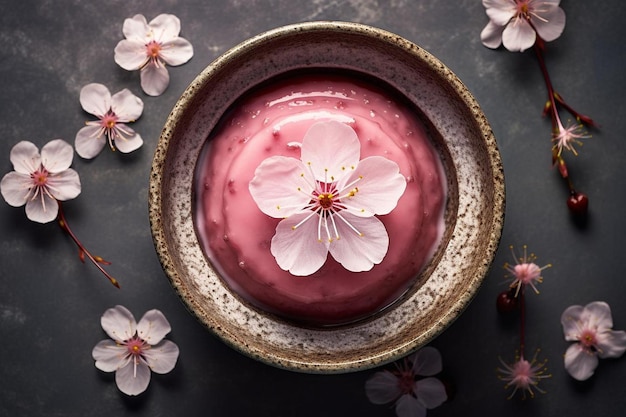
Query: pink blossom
point(135, 349)
point(40, 181)
point(148, 47)
point(412, 396)
point(523, 375)
point(591, 327)
point(328, 201)
point(525, 271)
point(113, 112)
point(567, 137)
point(516, 23)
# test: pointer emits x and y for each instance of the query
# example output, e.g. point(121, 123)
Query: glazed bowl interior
point(473, 214)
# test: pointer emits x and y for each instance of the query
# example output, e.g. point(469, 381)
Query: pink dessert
point(236, 235)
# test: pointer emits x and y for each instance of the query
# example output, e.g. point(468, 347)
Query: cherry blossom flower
point(328, 201)
point(516, 23)
point(567, 137)
point(148, 47)
point(113, 113)
point(136, 348)
point(525, 271)
point(591, 327)
point(523, 375)
point(41, 180)
point(412, 395)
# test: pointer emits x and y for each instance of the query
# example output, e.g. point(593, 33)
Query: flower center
point(522, 374)
point(40, 177)
point(588, 339)
point(325, 200)
point(136, 346)
point(153, 49)
point(527, 272)
point(109, 120)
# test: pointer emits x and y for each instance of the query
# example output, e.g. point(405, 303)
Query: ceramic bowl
point(474, 210)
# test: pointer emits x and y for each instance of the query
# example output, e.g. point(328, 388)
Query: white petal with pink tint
point(133, 379)
point(162, 357)
point(95, 99)
point(119, 323)
point(153, 327)
point(127, 106)
point(154, 79)
point(358, 252)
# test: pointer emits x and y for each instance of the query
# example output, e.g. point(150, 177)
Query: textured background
point(50, 303)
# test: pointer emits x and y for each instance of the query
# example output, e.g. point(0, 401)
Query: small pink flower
point(590, 326)
point(525, 271)
point(113, 112)
point(136, 349)
point(523, 375)
point(516, 23)
point(412, 396)
point(149, 46)
point(567, 137)
point(328, 201)
point(40, 181)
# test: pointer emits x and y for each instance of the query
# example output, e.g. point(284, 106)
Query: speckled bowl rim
point(470, 243)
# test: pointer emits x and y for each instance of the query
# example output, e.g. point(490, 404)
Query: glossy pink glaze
point(236, 235)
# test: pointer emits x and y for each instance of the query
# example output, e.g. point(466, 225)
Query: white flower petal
point(379, 188)
point(133, 380)
point(358, 253)
point(332, 149)
point(16, 188)
point(176, 52)
point(126, 106)
point(109, 356)
point(64, 185)
point(409, 406)
point(383, 387)
point(95, 99)
point(500, 12)
point(551, 25)
point(518, 36)
point(129, 144)
point(162, 357)
point(165, 27)
point(491, 35)
point(136, 29)
point(426, 361)
point(88, 142)
point(25, 157)
point(153, 327)
point(281, 186)
point(42, 209)
point(154, 79)
point(580, 363)
point(570, 320)
point(119, 323)
point(57, 155)
point(298, 251)
point(598, 315)
point(431, 392)
point(130, 55)
point(611, 343)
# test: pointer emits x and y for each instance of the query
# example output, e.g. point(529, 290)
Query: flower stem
point(82, 251)
point(522, 327)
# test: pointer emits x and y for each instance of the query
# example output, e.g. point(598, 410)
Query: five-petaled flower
point(525, 271)
point(523, 375)
point(590, 326)
point(516, 23)
point(412, 395)
point(114, 112)
point(136, 348)
point(40, 181)
point(149, 46)
point(328, 201)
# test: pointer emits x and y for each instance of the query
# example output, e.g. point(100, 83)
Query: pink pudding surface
point(236, 235)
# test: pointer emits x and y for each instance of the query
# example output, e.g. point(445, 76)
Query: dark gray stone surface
point(50, 303)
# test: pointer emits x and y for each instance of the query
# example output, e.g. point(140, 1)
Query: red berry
point(578, 203)
point(507, 301)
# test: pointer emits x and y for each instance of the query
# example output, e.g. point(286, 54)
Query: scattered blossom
point(567, 137)
point(525, 271)
point(135, 348)
point(113, 112)
point(412, 395)
point(148, 47)
point(523, 376)
point(591, 327)
point(328, 201)
point(516, 23)
point(41, 180)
